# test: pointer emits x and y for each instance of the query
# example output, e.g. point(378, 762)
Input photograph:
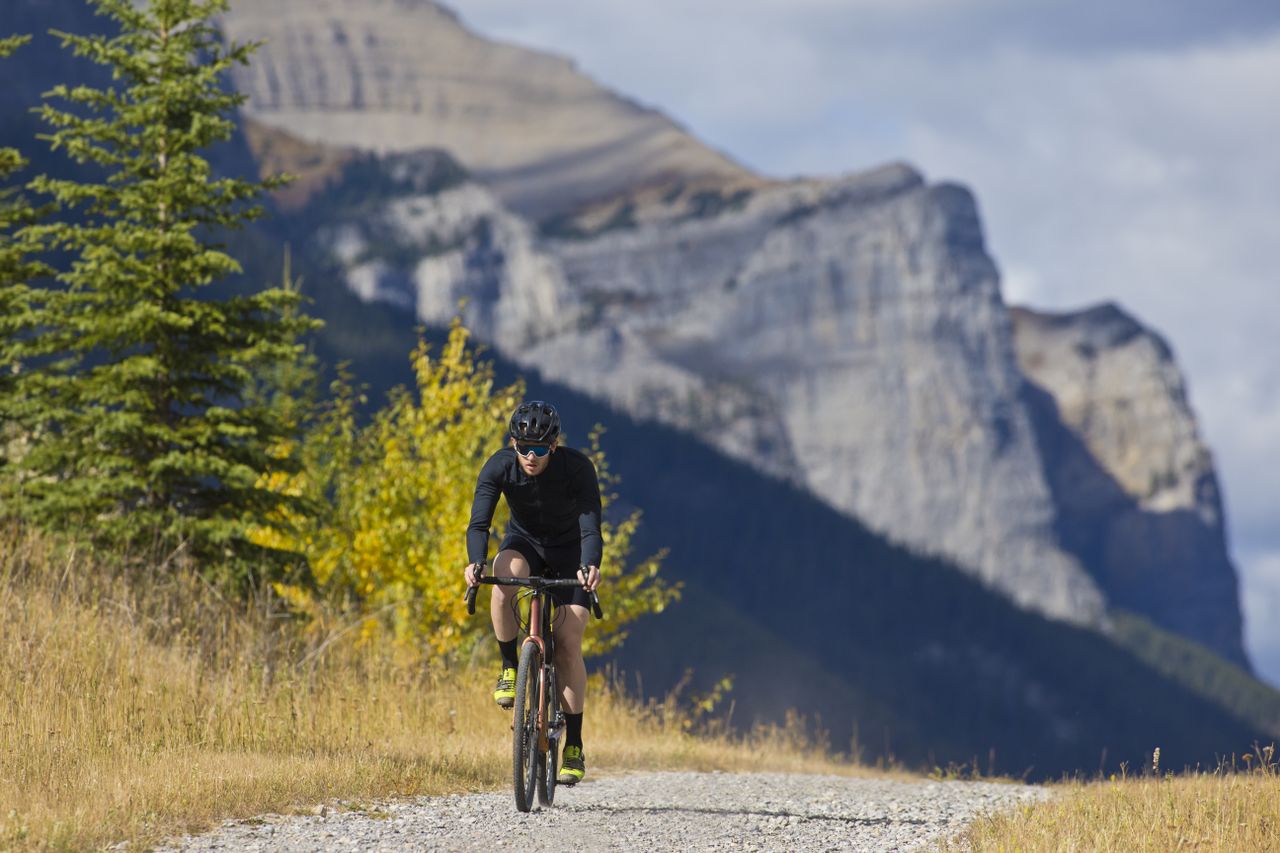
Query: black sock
point(573, 730)
point(510, 655)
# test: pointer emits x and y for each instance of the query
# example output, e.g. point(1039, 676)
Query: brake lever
point(470, 597)
point(591, 593)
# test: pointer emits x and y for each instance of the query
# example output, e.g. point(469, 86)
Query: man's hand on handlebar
point(588, 576)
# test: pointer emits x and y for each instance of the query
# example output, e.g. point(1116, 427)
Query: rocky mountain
point(847, 336)
point(841, 336)
point(400, 75)
point(1137, 497)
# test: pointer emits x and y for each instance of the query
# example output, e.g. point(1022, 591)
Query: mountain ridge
point(632, 318)
point(539, 132)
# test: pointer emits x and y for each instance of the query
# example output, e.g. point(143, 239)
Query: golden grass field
point(1230, 811)
point(137, 709)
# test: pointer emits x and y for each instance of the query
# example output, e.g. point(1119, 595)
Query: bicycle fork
point(547, 721)
point(535, 636)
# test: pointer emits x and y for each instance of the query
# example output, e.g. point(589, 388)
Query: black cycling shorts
point(551, 562)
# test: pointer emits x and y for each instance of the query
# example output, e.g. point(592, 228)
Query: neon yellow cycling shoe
point(505, 693)
point(574, 766)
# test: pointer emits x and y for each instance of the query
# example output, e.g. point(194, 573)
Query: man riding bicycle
point(554, 498)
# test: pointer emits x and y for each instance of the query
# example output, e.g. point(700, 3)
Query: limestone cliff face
point(846, 335)
point(446, 247)
point(862, 319)
point(1135, 485)
point(1117, 385)
point(401, 75)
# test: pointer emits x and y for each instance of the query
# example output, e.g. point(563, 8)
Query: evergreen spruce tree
point(145, 432)
point(18, 268)
point(290, 387)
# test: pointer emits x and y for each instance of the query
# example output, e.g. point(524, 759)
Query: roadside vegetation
point(1232, 808)
point(139, 702)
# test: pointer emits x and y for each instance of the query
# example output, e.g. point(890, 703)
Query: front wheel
point(551, 758)
point(525, 762)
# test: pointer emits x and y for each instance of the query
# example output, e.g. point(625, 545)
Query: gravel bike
point(537, 722)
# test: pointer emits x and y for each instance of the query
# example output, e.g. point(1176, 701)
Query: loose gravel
point(644, 812)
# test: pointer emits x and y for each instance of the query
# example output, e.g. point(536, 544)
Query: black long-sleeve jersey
point(558, 507)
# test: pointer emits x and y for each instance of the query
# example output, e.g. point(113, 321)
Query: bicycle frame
point(540, 620)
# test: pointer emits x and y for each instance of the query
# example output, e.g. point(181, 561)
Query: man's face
point(530, 461)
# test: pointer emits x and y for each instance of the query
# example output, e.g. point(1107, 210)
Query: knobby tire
point(525, 762)
point(551, 760)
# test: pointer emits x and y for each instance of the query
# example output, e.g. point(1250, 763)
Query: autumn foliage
point(383, 543)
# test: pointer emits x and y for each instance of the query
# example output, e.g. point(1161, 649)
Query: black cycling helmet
point(536, 422)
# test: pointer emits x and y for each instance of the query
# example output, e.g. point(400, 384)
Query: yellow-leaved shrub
point(384, 544)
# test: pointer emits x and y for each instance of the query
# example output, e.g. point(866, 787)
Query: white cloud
point(1118, 152)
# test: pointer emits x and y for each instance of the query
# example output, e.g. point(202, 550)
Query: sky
point(1124, 152)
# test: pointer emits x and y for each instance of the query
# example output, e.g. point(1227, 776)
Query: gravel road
point(643, 812)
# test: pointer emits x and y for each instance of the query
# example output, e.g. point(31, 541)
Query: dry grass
point(1234, 809)
point(136, 708)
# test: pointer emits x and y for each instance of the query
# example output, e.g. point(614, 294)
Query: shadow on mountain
point(1170, 567)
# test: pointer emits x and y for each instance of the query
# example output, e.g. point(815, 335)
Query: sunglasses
point(538, 450)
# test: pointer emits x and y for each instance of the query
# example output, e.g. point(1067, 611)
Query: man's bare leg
point(573, 689)
point(570, 670)
point(508, 564)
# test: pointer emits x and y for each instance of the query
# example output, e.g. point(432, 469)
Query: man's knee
point(568, 647)
point(510, 564)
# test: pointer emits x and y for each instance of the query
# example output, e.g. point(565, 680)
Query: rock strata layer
point(400, 75)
